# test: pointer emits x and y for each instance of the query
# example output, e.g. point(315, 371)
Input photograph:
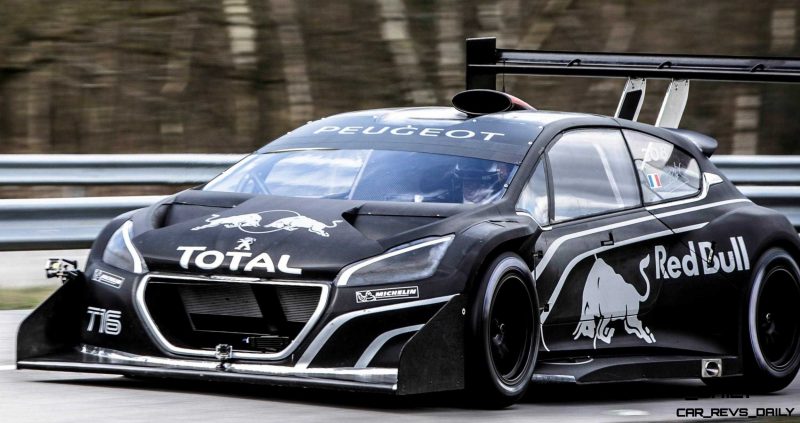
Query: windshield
point(372, 175)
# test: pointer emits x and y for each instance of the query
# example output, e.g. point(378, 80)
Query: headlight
point(121, 253)
point(407, 262)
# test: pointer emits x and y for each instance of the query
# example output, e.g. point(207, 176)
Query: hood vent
point(484, 102)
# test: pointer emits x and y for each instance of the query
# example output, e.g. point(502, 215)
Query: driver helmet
point(481, 180)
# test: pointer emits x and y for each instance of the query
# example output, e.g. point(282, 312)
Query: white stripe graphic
point(701, 207)
point(126, 237)
point(379, 342)
point(552, 250)
point(707, 182)
point(578, 258)
point(629, 241)
point(333, 325)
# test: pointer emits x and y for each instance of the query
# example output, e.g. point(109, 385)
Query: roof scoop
point(483, 102)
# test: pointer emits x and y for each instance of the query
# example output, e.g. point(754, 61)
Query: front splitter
point(99, 360)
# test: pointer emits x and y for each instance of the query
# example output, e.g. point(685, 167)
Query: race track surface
point(37, 396)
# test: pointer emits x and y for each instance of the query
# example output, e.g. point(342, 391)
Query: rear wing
point(485, 61)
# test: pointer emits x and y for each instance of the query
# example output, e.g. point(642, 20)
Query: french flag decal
point(654, 180)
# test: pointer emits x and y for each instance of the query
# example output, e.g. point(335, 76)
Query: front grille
point(297, 303)
point(268, 343)
point(197, 314)
point(223, 300)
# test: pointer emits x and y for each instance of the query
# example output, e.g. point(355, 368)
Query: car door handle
point(609, 241)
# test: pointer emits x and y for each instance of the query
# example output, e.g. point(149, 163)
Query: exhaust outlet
point(711, 367)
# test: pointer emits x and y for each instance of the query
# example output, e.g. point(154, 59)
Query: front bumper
point(342, 350)
point(89, 359)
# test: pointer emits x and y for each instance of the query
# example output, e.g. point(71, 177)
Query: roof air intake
point(483, 102)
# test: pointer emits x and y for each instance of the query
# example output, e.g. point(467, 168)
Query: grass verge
point(23, 298)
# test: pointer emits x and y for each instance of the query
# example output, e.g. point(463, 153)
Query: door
point(593, 269)
point(695, 266)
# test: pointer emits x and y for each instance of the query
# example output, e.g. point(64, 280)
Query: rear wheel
point(503, 337)
point(771, 339)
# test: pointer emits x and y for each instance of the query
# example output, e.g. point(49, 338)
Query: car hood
point(279, 237)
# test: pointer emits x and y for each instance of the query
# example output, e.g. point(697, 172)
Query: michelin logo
point(710, 260)
point(282, 220)
point(107, 278)
point(608, 297)
point(387, 294)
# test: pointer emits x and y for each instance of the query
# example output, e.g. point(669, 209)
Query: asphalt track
point(37, 396)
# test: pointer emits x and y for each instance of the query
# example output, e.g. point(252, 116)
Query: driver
point(482, 181)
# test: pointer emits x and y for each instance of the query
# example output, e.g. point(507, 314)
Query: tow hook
point(223, 353)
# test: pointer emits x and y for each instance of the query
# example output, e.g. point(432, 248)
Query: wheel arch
point(772, 229)
point(783, 242)
point(514, 241)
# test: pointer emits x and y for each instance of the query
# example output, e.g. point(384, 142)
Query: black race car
point(483, 247)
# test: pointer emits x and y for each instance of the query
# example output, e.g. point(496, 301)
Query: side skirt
point(629, 369)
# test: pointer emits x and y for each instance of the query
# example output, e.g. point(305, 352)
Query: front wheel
point(503, 338)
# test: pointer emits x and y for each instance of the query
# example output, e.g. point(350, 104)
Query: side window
point(534, 198)
point(592, 173)
point(665, 171)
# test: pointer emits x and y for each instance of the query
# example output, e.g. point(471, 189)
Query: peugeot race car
point(483, 247)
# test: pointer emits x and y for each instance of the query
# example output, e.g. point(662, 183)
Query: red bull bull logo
point(279, 220)
point(608, 297)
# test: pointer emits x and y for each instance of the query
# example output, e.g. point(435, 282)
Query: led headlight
point(121, 253)
point(407, 262)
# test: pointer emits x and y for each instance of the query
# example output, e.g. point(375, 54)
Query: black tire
point(771, 330)
point(503, 334)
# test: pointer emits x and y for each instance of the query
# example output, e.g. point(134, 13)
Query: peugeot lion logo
point(281, 220)
point(244, 244)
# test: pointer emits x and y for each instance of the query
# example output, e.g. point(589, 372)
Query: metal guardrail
point(60, 223)
point(783, 199)
point(64, 223)
point(112, 169)
point(760, 170)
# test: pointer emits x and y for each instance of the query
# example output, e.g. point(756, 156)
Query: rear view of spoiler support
point(485, 61)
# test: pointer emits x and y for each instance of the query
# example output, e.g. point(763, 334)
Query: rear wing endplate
point(485, 61)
